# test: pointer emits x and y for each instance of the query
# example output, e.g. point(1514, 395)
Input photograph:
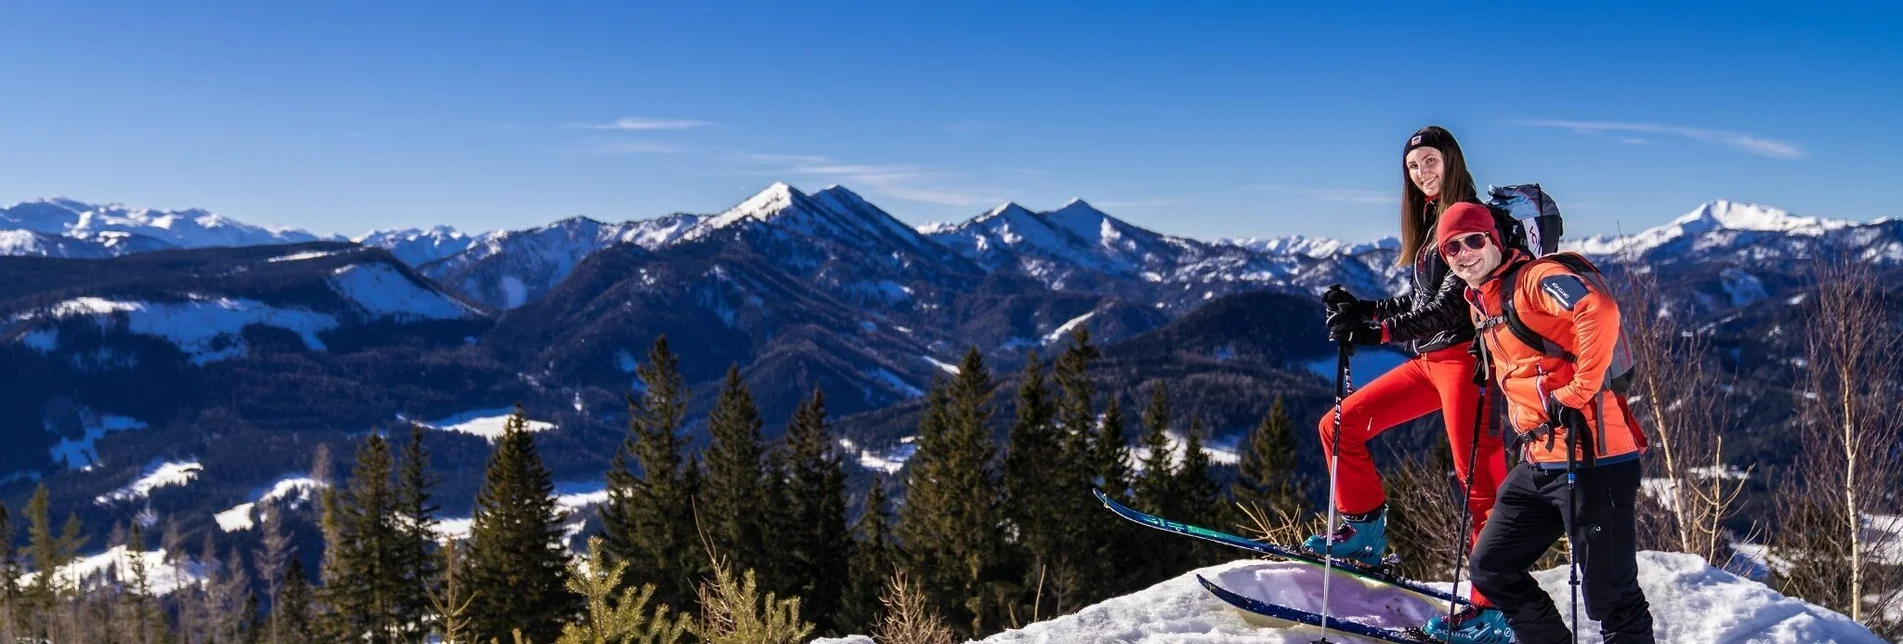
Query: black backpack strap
point(1511, 317)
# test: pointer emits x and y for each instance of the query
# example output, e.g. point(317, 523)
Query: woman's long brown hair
point(1456, 185)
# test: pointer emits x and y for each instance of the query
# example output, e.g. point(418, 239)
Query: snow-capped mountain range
point(506, 269)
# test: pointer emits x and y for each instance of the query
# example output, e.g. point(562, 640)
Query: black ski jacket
point(1432, 315)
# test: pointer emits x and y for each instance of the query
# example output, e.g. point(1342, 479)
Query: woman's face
point(1424, 167)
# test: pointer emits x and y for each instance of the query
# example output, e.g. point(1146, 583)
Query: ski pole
point(1461, 545)
point(1572, 517)
point(1344, 384)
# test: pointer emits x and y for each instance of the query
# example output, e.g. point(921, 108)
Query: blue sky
point(1226, 119)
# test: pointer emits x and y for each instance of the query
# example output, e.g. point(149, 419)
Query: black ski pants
point(1531, 514)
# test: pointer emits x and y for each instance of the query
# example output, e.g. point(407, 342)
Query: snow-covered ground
point(381, 291)
point(206, 329)
point(79, 453)
point(1692, 603)
point(158, 476)
point(1217, 453)
point(889, 461)
point(292, 492)
point(115, 566)
point(487, 423)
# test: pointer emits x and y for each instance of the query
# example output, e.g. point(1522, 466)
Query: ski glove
point(1360, 332)
point(1340, 302)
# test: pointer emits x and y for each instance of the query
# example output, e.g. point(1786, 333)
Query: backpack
point(1527, 217)
point(1619, 374)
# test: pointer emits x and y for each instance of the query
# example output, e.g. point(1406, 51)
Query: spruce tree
point(648, 518)
point(292, 611)
point(274, 550)
point(362, 582)
point(1267, 478)
point(517, 562)
point(733, 507)
point(1199, 495)
point(1156, 492)
point(874, 559)
point(950, 522)
point(1110, 452)
point(1033, 475)
point(1092, 456)
point(416, 536)
point(817, 542)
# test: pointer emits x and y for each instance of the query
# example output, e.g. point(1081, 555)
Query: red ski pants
point(1437, 380)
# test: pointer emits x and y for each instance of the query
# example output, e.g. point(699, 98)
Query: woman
point(1431, 321)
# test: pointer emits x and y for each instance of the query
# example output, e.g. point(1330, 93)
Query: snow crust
point(1691, 603)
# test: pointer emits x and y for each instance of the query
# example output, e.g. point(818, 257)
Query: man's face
point(1472, 256)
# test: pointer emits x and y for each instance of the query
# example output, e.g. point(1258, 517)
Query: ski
point(1280, 552)
point(1260, 609)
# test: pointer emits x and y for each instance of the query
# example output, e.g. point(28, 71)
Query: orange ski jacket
point(1561, 306)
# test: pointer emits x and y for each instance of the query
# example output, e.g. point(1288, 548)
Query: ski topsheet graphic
point(1264, 611)
point(1289, 553)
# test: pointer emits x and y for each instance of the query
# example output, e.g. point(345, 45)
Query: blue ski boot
point(1361, 538)
point(1471, 626)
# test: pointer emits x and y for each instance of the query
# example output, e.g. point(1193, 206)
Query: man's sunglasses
point(1471, 241)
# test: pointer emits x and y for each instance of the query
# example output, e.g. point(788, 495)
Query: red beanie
point(1463, 218)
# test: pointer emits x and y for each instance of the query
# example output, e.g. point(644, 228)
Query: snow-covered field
point(1692, 603)
point(487, 423)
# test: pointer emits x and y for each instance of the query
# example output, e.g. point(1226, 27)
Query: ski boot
point(1361, 538)
point(1472, 625)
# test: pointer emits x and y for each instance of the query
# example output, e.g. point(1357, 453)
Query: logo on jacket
point(1564, 289)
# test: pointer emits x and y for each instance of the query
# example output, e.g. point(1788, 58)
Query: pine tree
point(292, 610)
point(142, 619)
point(735, 495)
point(817, 541)
point(1035, 453)
point(950, 520)
point(516, 556)
point(1092, 455)
point(874, 559)
point(617, 619)
point(648, 518)
point(1156, 491)
point(363, 586)
point(1110, 460)
point(50, 553)
point(416, 536)
point(1268, 479)
point(1199, 495)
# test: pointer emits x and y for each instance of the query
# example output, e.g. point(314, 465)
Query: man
point(1578, 443)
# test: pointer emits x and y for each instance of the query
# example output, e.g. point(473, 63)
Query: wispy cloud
point(643, 124)
point(1752, 143)
point(611, 147)
point(968, 126)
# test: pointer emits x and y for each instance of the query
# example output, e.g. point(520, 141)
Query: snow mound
point(1692, 603)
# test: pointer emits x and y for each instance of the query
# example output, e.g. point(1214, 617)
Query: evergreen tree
point(1112, 548)
point(1156, 491)
point(950, 521)
point(1200, 496)
point(143, 619)
point(516, 557)
point(1110, 452)
point(50, 553)
point(874, 559)
point(363, 586)
point(1033, 476)
point(292, 610)
point(416, 535)
point(648, 518)
point(733, 506)
point(1092, 456)
point(817, 541)
point(1267, 477)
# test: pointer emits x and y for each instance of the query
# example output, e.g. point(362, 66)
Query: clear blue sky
point(1226, 119)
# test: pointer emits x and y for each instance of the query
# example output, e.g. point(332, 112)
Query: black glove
point(1339, 303)
point(1360, 332)
point(1559, 415)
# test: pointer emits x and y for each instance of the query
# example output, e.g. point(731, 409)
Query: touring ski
point(1260, 610)
point(1296, 554)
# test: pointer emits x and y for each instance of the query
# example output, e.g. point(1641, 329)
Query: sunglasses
point(1469, 241)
